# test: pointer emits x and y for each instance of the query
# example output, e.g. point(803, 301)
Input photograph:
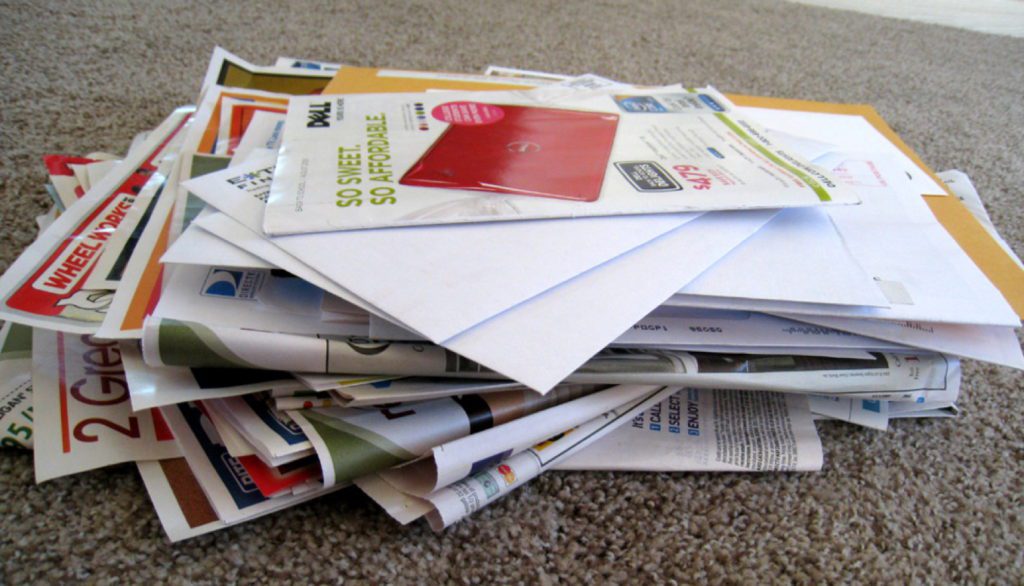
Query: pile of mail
point(437, 286)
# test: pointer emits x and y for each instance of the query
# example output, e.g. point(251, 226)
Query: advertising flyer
point(377, 160)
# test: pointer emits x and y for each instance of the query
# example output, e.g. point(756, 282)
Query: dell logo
point(319, 115)
point(520, 146)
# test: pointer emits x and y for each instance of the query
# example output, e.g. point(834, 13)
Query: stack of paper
point(437, 286)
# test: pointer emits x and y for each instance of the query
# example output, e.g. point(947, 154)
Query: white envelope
point(577, 318)
point(540, 341)
point(225, 227)
point(848, 132)
point(797, 257)
point(918, 266)
point(441, 280)
point(726, 331)
point(196, 246)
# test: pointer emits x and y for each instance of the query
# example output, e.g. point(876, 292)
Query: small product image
point(532, 151)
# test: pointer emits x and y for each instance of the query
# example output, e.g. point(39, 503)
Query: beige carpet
point(929, 501)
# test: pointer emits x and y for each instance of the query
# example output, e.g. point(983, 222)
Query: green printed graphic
point(818, 189)
point(195, 345)
point(355, 451)
point(18, 343)
point(488, 483)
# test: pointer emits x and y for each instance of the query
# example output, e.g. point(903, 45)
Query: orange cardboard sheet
point(961, 224)
point(367, 80)
point(986, 253)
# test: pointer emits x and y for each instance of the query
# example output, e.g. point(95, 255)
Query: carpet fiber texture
point(929, 500)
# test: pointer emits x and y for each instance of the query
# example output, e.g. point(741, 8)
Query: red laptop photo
point(540, 152)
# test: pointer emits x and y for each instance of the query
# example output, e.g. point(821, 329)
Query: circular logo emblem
point(521, 146)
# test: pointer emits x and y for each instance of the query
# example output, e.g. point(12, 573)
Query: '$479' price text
point(694, 176)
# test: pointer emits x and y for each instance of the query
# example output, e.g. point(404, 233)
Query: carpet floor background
point(929, 500)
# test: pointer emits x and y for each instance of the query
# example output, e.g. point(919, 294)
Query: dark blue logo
point(640, 104)
point(222, 283)
point(711, 103)
point(232, 284)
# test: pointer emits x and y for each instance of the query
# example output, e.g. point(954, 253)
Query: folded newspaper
point(325, 276)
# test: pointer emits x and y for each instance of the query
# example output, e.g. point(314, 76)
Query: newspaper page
point(788, 373)
point(943, 409)
point(354, 442)
point(711, 430)
point(17, 421)
point(45, 286)
point(260, 299)
point(402, 507)
point(870, 413)
point(376, 160)
point(173, 343)
point(685, 326)
point(226, 482)
point(419, 389)
point(177, 343)
point(84, 419)
point(333, 382)
point(875, 411)
point(16, 417)
point(456, 459)
point(235, 443)
point(180, 505)
point(677, 326)
point(847, 353)
point(305, 400)
point(274, 434)
point(161, 386)
point(996, 344)
point(488, 483)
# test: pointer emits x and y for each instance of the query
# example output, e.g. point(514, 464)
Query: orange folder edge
point(365, 80)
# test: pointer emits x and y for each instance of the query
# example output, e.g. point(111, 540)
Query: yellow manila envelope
point(370, 80)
